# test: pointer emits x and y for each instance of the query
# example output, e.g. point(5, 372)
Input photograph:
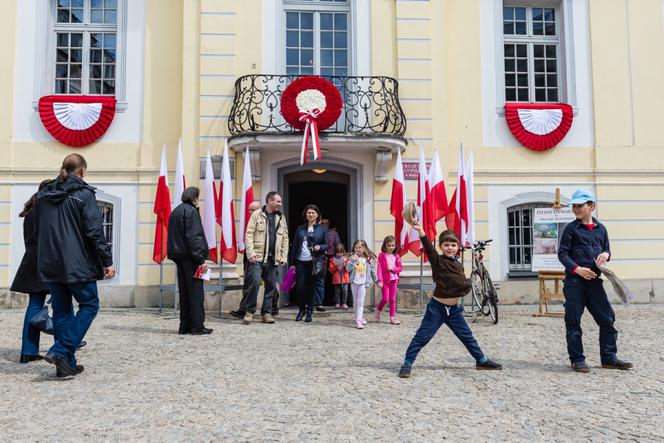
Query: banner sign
point(548, 225)
point(411, 170)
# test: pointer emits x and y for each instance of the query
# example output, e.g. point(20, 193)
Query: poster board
point(548, 225)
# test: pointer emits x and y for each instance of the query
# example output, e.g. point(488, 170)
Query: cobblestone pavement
point(327, 381)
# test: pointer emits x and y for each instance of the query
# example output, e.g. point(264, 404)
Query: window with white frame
point(106, 211)
point(317, 37)
point(86, 46)
point(520, 236)
point(532, 53)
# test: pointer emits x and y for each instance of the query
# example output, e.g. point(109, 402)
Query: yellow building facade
point(436, 73)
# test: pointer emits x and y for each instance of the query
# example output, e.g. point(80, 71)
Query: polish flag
point(424, 198)
point(457, 218)
point(209, 226)
point(438, 193)
point(226, 213)
point(404, 234)
point(247, 198)
point(180, 181)
point(470, 199)
point(162, 208)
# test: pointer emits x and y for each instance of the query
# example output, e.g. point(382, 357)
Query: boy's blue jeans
point(436, 315)
point(68, 329)
point(581, 294)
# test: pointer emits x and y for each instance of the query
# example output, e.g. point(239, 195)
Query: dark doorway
point(330, 196)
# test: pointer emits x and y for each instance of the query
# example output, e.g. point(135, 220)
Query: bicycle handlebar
point(481, 244)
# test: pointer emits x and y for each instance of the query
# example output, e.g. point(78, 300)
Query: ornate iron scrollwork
point(371, 105)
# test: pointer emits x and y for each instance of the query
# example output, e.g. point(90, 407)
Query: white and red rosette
point(311, 104)
point(76, 120)
point(539, 126)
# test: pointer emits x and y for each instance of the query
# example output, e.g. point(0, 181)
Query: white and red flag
point(209, 209)
point(437, 184)
point(180, 181)
point(247, 198)
point(162, 209)
point(470, 200)
point(404, 234)
point(424, 198)
point(226, 213)
point(457, 219)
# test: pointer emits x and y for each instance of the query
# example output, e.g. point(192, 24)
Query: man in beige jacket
point(266, 243)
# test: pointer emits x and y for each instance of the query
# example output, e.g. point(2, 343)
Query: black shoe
point(61, 364)
point(618, 364)
point(204, 331)
point(81, 344)
point(310, 314)
point(77, 370)
point(320, 308)
point(237, 314)
point(300, 315)
point(275, 312)
point(404, 372)
point(489, 365)
point(29, 358)
point(580, 366)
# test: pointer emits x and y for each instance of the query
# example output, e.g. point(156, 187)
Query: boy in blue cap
point(583, 246)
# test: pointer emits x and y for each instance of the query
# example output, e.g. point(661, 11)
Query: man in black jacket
point(188, 248)
point(73, 253)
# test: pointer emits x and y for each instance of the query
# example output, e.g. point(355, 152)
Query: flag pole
point(161, 285)
point(421, 283)
point(221, 286)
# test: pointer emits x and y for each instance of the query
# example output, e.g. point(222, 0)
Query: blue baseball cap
point(581, 196)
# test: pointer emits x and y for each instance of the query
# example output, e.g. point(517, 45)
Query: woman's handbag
point(319, 268)
point(289, 280)
point(42, 321)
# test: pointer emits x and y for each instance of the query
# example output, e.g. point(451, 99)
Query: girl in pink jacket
point(389, 268)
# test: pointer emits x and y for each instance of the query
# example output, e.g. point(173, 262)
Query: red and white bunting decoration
point(311, 104)
point(539, 126)
point(76, 120)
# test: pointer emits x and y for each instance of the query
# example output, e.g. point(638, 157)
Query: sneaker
point(377, 315)
point(359, 324)
point(394, 321)
point(320, 308)
point(364, 322)
point(580, 366)
point(337, 306)
point(404, 372)
point(237, 314)
point(344, 307)
point(248, 318)
point(618, 364)
point(267, 318)
point(489, 365)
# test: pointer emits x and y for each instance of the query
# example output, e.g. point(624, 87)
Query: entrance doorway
point(330, 191)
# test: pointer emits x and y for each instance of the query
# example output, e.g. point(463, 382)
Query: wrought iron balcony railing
point(371, 106)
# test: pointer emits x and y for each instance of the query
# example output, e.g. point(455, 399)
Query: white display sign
point(548, 225)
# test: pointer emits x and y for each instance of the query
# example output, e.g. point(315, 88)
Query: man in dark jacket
point(73, 253)
point(188, 248)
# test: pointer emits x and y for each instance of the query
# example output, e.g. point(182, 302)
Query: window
point(520, 235)
point(86, 46)
point(106, 211)
point(317, 36)
point(532, 53)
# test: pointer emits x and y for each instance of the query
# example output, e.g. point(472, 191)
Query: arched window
point(520, 235)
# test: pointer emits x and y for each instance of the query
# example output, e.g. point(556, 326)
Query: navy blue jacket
point(580, 246)
point(320, 239)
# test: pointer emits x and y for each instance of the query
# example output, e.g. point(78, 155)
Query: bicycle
point(484, 294)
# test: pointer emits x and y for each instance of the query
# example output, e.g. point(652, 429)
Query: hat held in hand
point(410, 213)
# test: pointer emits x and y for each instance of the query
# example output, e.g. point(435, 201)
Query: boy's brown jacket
point(447, 273)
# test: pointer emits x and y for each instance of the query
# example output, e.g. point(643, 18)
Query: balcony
point(371, 107)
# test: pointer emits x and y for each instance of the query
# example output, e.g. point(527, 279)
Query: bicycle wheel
point(476, 291)
point(492, 298)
